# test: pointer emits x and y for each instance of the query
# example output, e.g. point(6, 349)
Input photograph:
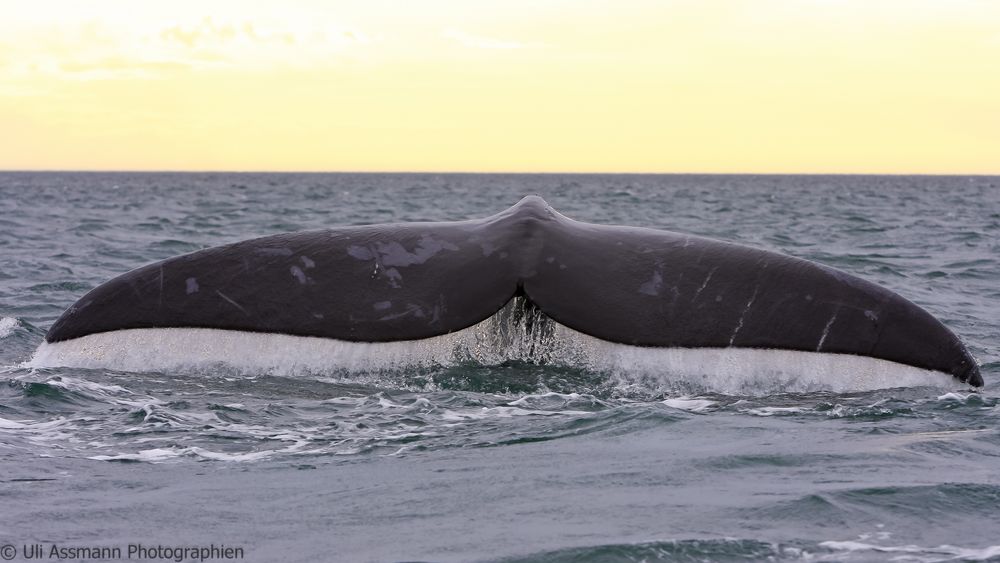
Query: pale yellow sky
point(870, 86)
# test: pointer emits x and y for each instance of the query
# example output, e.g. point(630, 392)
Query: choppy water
point(508, 461)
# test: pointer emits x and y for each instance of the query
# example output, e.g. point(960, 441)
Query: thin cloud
point(92, 50)
point(481, 42)
point(118, 68)
point(191, 36)
point(122, 65)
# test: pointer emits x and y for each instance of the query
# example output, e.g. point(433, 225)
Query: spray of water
point(518, 333)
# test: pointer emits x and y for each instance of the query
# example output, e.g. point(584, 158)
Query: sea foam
point(7, 326)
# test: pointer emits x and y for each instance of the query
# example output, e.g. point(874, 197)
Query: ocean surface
point(496, 459)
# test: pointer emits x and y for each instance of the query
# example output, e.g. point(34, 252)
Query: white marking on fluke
point(501, 338)
point(704, 284)
point(230, 301)
point(826, 332)
point(743, 315)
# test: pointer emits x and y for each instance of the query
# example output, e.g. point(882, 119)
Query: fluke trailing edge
point(628, 285)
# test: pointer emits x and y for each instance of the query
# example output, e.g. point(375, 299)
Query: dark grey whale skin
point(630, 285)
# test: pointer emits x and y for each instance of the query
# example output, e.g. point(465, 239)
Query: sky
point(724, 86)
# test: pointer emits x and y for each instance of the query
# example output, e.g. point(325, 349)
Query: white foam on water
point(530, 399)
point(11, 424)
point(503, 412)
point(6, 424)
point(508, 335)
point(688, 404)
point(157, 455)
point(955, 397)
point(41, 434)
point(776, 411)
point(7, 326)
point(150, 455)
point(556, 402)
point(917, 553)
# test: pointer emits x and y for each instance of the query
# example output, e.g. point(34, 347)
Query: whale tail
point(629, 285)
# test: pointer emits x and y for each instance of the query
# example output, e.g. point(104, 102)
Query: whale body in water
point(632, 286)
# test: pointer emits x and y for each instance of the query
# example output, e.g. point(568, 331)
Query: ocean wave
point(669, 550)
point(7, 326)
point(861, 551)
point(115, 421)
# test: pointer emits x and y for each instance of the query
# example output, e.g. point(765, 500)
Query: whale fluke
point(629, 285)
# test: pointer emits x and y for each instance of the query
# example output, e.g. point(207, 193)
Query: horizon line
point(477, 172)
